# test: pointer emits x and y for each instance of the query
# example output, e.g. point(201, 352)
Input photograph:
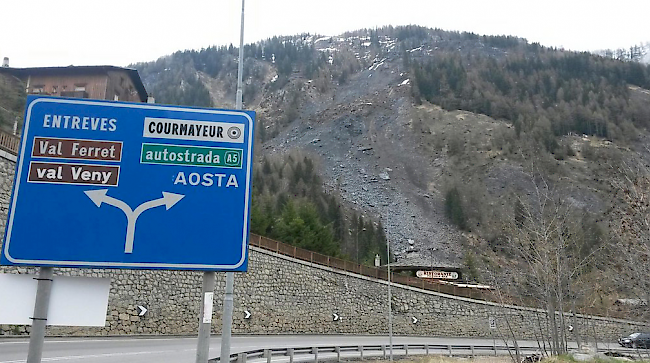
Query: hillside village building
point(422, 266)
point(96, 82)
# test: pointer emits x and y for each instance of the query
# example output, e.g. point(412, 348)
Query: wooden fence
point(378, 273)
point(9, 142)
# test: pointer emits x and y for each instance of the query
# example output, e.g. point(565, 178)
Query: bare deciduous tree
point(546, 236)
point(630, 247)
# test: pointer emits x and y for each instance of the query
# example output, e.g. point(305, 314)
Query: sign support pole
point(39, 320)
point(205, 317)
point(226, 331)
point(227, 317)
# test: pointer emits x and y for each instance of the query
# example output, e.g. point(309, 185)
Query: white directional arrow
point(335, 317)
point(142, 309)
point(248, 314)
point(99, 196)
point(415, 320)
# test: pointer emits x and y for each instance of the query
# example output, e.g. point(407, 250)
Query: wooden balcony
point(9, 142)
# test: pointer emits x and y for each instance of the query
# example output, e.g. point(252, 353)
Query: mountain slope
point(439, 135)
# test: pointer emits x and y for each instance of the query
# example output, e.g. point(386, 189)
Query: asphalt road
point(183, 349)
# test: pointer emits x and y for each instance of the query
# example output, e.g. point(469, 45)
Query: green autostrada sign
point(191, 155)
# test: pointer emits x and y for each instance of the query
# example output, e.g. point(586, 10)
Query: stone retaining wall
point(7, 169)
point(285, 295)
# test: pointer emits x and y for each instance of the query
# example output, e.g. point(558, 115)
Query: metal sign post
point(205, 317)
point(226, 331)
point(39, 320)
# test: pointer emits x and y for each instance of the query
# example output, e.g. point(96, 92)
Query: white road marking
point(75, 357)
point(96, 340)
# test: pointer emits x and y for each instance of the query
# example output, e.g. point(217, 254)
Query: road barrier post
point(267, 355)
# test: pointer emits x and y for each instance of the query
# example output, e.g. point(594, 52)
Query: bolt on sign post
point(130, 186)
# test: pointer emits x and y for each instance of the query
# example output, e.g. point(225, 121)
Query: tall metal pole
point(226, 332)
point(240, 68)
point(390, 298)
point(205, 317)
point(357, 242)
point(39, 320)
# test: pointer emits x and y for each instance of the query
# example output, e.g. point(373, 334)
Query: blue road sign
point(129, 185)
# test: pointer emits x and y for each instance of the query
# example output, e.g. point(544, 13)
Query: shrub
point(454, 208)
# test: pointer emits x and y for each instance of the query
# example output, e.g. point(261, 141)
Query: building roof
point(133, 74)
point(415, 261)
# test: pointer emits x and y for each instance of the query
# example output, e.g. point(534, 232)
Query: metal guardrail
point(378, 273)
point(336, 353)
point(9, 142)
point(331, 353)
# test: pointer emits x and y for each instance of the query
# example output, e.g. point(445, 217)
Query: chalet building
point(96, 82)
point(430, 269)
point(426, 267)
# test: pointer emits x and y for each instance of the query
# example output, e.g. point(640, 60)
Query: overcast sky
point(119, 32)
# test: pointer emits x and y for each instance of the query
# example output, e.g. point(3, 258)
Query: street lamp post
point(226, 331)
point(432, 250)
point(357, 242)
